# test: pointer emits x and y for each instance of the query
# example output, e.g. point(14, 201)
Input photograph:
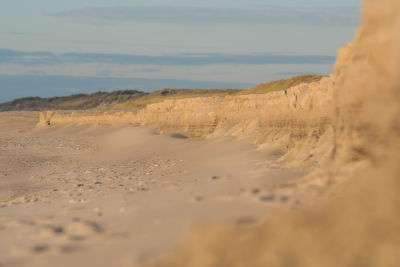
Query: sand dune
point(307, 176)
point(296, 118)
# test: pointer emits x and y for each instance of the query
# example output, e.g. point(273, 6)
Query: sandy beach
point(304, 176)
point(114, 195)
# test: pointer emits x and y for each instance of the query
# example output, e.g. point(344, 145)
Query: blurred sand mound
point(360, 228)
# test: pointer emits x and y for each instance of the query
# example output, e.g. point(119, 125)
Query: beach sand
point(304, 177)
point(116, 195)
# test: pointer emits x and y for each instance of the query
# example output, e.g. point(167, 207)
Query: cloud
point(28, 58)
point(8, 56)
point(148, 70)
point(213, 15)
point(35, 72)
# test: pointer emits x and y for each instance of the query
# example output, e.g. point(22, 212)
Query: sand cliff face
point(296, 119)
point(304, 110)
point(301, 113)
point(51, 118)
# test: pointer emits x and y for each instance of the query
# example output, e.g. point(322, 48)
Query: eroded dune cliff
point(295, 118)
point(348, 120)
point(358, 104)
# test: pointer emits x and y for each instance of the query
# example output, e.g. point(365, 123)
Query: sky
point(53, 48)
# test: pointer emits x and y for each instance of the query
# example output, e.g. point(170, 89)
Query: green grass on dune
point(281, 84)
point(135, 100)
point(161, 95)
point(72, 102)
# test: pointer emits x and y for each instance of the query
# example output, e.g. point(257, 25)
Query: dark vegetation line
point(134, 100)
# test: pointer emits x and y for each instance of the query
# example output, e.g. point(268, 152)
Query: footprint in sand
point(78, 231)
point(219, 177)
point(282, 198)
point(196, 199)
point(246, 221)
point(40, 248)
point(269, 197)
point(69, 248)
point(256, 191)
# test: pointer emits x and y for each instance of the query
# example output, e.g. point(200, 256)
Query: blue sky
point(155, 44)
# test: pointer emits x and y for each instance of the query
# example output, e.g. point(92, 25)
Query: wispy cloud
point(148, 70)
point(35, 72)
point(8, 56)
point(213, 15)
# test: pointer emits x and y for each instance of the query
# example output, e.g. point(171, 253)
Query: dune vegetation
point(135, 100)
point(161, 95)
point(72, 102)
point(281, 84)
